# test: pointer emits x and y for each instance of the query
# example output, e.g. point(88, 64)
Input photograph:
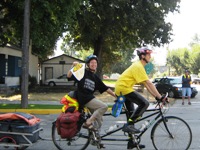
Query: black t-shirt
point(87, 86)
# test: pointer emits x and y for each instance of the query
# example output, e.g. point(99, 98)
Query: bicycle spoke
point(80, 141)
point(180, 131)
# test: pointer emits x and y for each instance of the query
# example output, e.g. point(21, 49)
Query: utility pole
point(25, 55)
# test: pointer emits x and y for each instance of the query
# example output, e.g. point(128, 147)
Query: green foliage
point(113, 28)
point(181, 59)
point(48, 20)
point(174, 60)
point(30, 106)
point(125, 58)
point(195, 59)
point(195, 40)
point(32, 81)
point(108, 27)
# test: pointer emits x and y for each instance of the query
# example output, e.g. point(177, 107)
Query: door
point(3, 68)
point(48, 73)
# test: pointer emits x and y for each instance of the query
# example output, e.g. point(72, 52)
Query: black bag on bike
point(66, 124)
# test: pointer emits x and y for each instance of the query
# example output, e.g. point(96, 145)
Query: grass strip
point(33, 106)
point(30, 106)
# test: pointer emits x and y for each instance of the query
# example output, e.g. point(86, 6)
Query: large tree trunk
point(98, 52)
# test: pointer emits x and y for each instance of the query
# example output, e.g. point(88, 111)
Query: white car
point(61, 80)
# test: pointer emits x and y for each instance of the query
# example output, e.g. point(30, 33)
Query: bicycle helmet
point(90, 57)
point(143, 51)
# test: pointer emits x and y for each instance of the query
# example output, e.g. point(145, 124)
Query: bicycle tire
point(79, 142)
point(180, 130)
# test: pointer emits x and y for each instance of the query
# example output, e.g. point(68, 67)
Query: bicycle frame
point(157, 111)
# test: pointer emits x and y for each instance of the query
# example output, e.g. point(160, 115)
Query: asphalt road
point(190, 113)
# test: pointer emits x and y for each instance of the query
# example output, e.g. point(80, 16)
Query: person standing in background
point(186, 87)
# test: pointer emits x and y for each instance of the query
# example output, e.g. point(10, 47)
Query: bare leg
point(90, 120)
point(189, 100)
point(183, 95)
point(183, 100)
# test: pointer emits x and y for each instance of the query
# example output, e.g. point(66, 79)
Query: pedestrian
point(85, 92)
point(133, 75)
point(186, 86)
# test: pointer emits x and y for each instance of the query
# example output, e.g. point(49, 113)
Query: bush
point(32, 81)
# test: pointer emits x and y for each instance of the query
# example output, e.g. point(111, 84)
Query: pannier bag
point(66, 124)
point(117, 107)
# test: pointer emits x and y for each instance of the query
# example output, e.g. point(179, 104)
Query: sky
point(185, 25)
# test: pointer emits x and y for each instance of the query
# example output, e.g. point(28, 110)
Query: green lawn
point(30, 106)
point(109, 82)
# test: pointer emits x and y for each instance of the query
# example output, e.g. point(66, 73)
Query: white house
point(56, 66)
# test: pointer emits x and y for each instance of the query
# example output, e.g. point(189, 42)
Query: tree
point(120, 66)
point(180, 59)
point(48, 20)
point(25, 55)
point(195, 59)
point(195, 40)
point(113, 26)
point(174, 60)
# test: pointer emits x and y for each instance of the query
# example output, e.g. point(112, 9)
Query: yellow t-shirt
point(133, 75)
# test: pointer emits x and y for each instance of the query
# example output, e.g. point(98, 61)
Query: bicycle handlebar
point(163, 98)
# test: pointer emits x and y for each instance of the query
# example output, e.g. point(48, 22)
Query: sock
point(130, 121)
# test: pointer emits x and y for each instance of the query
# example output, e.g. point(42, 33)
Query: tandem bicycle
point(167, 132)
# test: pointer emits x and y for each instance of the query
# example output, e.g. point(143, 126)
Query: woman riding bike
point(85, 91)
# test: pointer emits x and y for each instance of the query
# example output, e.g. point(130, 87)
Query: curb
point(33, 111)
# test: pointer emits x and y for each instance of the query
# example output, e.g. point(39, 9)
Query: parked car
point(173, 85)
point(61, 80)
point(156, 80)
point(196, 80)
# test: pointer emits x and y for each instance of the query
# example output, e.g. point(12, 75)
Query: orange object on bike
point(69, 102)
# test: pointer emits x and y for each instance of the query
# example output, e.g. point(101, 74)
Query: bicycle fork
point(165, 124)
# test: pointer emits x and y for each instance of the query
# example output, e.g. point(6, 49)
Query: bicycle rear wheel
point(79, 142)
point(178, 137)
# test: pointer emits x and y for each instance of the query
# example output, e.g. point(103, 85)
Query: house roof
point(61, 56)
point(12, 46)
point(17, 48)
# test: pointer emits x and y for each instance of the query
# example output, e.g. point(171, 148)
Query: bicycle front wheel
point(176, 135)
point(79, 142)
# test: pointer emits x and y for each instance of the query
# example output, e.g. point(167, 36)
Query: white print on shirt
point(89, 84)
